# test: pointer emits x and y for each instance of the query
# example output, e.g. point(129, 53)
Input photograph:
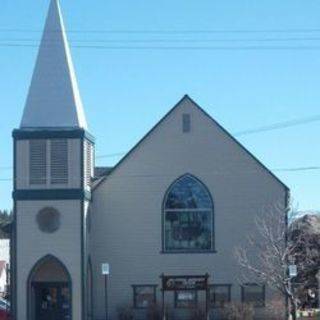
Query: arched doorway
point(49, 291)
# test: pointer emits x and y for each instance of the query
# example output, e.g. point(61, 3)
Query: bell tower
point(53, 167)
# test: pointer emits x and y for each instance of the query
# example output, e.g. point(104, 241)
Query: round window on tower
point(48, 220)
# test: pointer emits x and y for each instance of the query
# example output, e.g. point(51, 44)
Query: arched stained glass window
point(188, 216)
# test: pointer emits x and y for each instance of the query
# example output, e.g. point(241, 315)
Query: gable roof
point(99, 174)
point(54, 99)
point(186, 97)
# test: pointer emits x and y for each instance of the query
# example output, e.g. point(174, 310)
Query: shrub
point(197, 314)
point(125, 313)
point(275, 309)
point(154, 312)
point(237, 311)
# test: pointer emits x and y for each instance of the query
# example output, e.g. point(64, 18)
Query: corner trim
point(51, 194)
point(13, 245)
point(83, 236)
point(48, 133)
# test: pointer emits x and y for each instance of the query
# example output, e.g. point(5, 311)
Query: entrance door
point(52, 301)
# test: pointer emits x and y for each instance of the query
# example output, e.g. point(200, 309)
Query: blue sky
point(125, 92)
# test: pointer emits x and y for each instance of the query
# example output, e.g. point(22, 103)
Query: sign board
point(173, 283)
point(185, 295)
point(293, 271)
point(105, 268)
point(185, 283)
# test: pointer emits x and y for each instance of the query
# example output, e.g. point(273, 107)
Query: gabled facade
point(177, 204)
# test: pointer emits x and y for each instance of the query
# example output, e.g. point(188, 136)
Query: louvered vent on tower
point(38, 162)
point(59, 161)
point(89, 163)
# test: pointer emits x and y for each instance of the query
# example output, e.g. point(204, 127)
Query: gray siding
point(32, 245)
point(127, 206)
point(22, 166)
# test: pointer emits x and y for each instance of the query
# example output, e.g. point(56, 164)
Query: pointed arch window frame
point(164, 250)
point(31, 274)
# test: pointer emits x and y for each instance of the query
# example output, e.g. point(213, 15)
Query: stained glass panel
point(188, 216)
point(187, 192)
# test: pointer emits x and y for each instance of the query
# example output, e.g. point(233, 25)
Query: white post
point(105, 268)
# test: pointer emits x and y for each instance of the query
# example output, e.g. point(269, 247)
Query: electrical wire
point(179, 40)
point(272, 127)
point(172, 31)
point(224, 173)
point(279, 125)
point(178, 48)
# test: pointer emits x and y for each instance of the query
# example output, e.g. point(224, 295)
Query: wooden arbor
point(185, 283)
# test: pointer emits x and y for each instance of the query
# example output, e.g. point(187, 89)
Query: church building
point(166, 218)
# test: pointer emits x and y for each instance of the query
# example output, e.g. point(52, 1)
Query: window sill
point(188, 252)
point(213, 307)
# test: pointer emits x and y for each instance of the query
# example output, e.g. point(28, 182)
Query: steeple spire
point(54, 100)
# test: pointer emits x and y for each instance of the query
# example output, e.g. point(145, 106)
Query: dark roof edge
point(140, 141)
point(241, 145)
point(51, 133)
point(213, 120)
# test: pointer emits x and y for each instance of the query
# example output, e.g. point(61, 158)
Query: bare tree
point(307, 256)
point(266, 253)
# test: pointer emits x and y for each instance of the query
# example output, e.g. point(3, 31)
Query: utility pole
point(293, 272)
point(318, 278)
point(106, 295)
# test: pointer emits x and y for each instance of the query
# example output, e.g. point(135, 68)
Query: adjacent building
point(4, 266)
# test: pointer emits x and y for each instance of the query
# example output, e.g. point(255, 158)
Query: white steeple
point(54, 99)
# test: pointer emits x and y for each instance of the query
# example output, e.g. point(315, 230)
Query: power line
point(172, 31)
point(179, 40)
point(272, 127)
point(292, 169)
point(111, 155)
point(178, 48)
point(279, 125)
point(297, 169)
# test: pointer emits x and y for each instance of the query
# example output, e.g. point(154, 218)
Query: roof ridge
point(226, 132)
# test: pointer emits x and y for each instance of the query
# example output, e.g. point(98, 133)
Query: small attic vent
point(186, 122)
point(38, 162)
point(59, 161)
